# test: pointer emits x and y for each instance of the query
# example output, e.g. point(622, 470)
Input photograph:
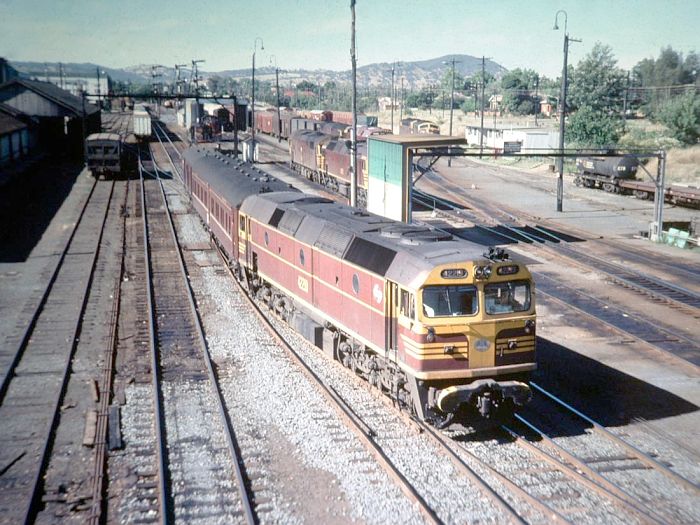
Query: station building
point(59, 115)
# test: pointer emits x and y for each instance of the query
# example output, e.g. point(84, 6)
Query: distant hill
point(416, 74)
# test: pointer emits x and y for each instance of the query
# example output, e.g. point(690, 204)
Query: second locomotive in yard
point(429, 319)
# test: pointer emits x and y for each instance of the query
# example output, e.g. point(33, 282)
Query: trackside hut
point(60, 114)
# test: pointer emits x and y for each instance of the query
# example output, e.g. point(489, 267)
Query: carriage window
point(301, 256)
point(356, 283)
point(408, 304)
point(508, 297)
point(449, 301)
point(241, 222)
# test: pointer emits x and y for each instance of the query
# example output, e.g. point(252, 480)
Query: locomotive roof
point(404, 253)
point(232, 179)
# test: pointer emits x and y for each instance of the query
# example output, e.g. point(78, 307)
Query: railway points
point(290, 441)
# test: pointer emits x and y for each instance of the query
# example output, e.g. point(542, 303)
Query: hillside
point(416, 74)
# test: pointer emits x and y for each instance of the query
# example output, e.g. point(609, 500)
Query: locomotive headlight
point(482, 272)
point(431, 335)
point(529, 326)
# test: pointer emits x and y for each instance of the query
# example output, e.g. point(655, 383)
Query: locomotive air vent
point(424, 237)
point(396, 231)
point(359, 213)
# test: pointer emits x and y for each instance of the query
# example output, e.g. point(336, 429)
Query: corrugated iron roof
point(55, 94)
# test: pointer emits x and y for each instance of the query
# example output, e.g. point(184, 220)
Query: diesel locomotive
point(431, 320)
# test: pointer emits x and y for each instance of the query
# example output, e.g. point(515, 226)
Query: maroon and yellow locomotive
point(429, 319)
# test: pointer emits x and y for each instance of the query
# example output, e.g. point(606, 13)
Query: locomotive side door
point(391, 311)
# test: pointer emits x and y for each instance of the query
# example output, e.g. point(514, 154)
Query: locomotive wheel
point(609, 187)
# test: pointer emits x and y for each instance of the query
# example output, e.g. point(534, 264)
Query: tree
point(422, 99)
point(682, 116)
point(596, 92)
point(519, 91)
point(590, 127)
point(597, 82)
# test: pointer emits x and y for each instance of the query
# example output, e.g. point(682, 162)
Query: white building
point(532, 140)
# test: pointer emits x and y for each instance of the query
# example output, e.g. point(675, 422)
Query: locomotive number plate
point(303, 284)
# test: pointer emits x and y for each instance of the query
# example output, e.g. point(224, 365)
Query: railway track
point(180, 363)
point(172, 152)
point(346, 413)
point(34, 383)
point(676, 296)
point(650, 488)
point(634, 326)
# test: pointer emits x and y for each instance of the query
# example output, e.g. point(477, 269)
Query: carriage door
point(243, 236)
point(391, 320)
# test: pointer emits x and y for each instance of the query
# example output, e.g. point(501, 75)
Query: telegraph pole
point(452, 100)
point(393, 68)
point(99, 97)
point(353, 136)
point(277, 89)
point(483, 86)
point(252, 105)
point(401, 103)
point(537, 98)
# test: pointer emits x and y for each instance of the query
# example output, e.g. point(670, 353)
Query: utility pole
point(178, 80)
point(401, 103)
point(483, 86)
point(84, 130)
point(60, 73)
point(393, 68)
point(277, 90)
point(353, 136)
point(156, 84)
point(99, 98)
point(252, 105)
point(624, 102)
point(537, 98)
point(235, 126)
point(452, 100)
point(562, 109)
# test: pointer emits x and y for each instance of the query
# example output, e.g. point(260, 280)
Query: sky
point(315, 34)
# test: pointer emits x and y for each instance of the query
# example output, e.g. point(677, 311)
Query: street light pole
point(562, 107)
point(252, 105)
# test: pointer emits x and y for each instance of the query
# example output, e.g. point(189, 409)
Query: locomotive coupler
point(486, 395)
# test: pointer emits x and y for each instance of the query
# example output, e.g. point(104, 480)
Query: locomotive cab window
point(449, 301)
point(301, 256)
point(241, 222)
point(408, 304)
point(507, 297)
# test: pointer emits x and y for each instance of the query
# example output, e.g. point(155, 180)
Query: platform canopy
point(390, 159)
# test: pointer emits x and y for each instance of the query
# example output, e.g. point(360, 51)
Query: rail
point(228, 430)
point(345, 412)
